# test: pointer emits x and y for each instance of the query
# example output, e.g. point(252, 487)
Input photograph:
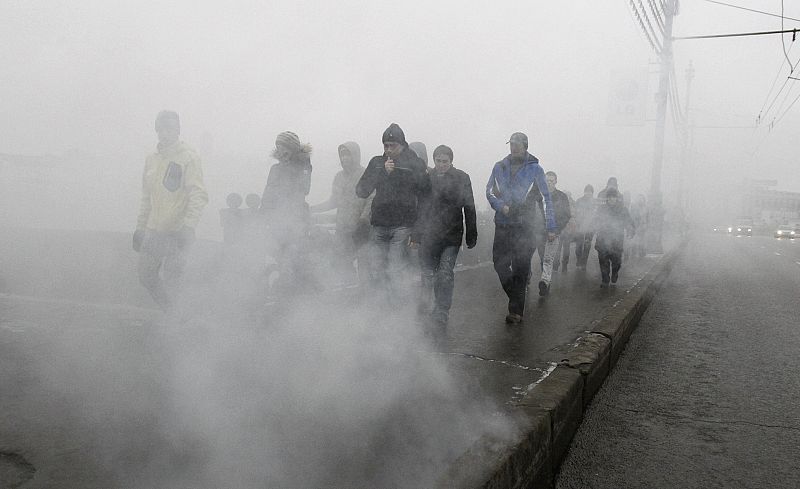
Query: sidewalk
point(313, 396)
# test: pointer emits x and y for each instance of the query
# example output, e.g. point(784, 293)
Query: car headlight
point(738, 229)
point(749, 230)
point(780, 232)
point(791, 232)
point(730, 230)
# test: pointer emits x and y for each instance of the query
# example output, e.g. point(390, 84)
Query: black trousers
point(610, 261)
point(512, 252)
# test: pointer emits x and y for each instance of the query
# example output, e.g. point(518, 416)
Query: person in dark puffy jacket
point(284, 207)
point(611, 223)
point(400, 181)
point(446, 214)
point(289, 180)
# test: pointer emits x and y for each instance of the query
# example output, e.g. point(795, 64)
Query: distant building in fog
point(767, 206)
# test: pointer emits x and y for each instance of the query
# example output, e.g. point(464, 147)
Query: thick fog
point(83, 81)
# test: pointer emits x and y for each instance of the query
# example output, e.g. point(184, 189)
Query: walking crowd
point(399, 224)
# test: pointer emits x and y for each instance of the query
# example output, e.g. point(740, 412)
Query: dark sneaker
point(544, 288)
point(512, 318)
point(439, 318)
point(603, 285)
point(614, 276)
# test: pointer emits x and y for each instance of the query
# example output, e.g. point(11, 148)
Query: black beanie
point(393, 134)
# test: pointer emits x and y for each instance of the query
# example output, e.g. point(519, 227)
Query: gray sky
point(91, 75)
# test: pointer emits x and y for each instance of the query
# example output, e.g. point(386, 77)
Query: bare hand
point(551, 236)
point(389, 165)
point(506, 209)
point(412, 244)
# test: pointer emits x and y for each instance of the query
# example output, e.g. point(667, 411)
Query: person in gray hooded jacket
point(352, 212)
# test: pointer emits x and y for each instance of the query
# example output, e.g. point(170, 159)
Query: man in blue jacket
point(516, 185)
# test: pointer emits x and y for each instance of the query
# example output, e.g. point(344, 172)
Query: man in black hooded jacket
point(400, 181)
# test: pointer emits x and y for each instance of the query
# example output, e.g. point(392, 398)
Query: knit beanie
point(289, 140)
point(393, 134)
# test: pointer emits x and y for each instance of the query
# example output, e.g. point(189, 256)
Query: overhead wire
point(779, 110)
point(749, 9)
point(762, 115)
point(649, 24)
point(647, 21)
point(783, 43)
point(659, 15)
point(639, 20)
point(785, 111)
point(772, 87)
point(679, 119)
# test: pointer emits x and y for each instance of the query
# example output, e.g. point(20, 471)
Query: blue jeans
point(389, 262)
point(437, 263)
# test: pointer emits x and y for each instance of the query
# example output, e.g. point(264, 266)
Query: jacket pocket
point(173, 177)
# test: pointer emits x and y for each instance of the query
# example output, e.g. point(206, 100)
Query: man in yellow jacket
point(173, 198)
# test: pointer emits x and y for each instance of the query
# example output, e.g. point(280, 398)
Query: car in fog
point(743, 227)
point(784, 231)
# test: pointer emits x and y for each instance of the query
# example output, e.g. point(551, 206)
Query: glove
point(185, 237)
point(138, 237)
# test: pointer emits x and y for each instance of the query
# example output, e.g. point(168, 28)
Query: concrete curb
point(552, 409)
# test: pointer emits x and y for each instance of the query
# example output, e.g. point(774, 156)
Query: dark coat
point(562, 209)
point(288, 184)
point(450, 206)
point(398, 194)
point(610, 223)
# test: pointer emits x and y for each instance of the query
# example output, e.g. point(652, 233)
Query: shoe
point(564, 268)
point(603, 285)
point(544, 288)
point(439, 318)
point(513, 318)
point(614, 276)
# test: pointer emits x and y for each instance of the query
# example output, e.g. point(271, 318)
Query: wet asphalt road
point(706, 393)
point(312, 391)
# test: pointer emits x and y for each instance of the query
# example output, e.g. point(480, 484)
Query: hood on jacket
point(421, 150)
point(355, 151)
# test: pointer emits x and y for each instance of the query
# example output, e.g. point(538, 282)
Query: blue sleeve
point(492, 190)
point(547, 201)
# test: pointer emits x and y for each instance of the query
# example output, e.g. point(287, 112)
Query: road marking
point(798, 262)
point(778, 254)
